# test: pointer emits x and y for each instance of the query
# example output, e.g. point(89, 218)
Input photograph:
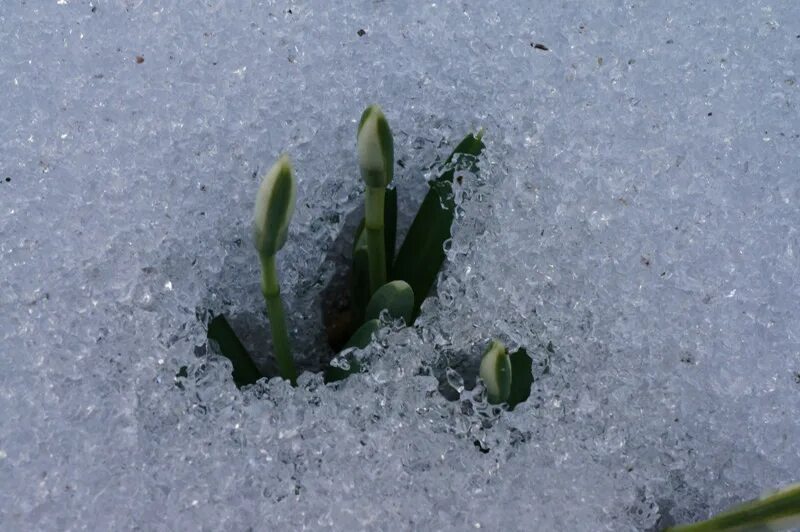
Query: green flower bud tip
point(274, 208)
point(375, 148)
point(496, 373)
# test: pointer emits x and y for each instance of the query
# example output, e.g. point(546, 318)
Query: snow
point(637, 206)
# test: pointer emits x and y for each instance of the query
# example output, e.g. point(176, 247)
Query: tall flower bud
point(496, 373)
point(375, 148)
point(274, 208)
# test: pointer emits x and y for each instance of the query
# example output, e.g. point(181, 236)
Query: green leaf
point(397, 297)
point(333, 374)
point(360, 274)
point(470, 145)
point(244, 370)
point(496, 373)
point(422, 253)
point(360, 339)
point(779, 510)
point(390, 227)
point(522, 377)
point(363, 336)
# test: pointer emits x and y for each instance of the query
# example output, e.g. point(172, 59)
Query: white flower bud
point(274, 208)
point(496, 373)
point(375, 148)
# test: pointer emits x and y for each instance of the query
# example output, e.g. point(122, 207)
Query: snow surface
point(638, 207)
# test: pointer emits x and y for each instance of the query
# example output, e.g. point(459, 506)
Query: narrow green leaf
point(397, 297)
point(363, 336)
point(360, 339)
point(390, 227)
point(422, 253)
point(360, 240)
point(522, 377)
point(333, 374)
point(359, 287)
point(469, 145)
point(779, 510)
point(244, 370)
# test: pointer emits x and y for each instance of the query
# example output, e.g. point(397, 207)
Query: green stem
point(376, 245)
point(277, 319)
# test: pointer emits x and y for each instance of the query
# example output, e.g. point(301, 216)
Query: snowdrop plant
point(376, 160)
point(274, 208)
point(384, 285)
point(507, 377)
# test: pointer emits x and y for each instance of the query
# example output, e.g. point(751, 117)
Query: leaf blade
point(779, 510)
point(422, 253)
point(245, 371)
point(390, 228)
point(360, 339)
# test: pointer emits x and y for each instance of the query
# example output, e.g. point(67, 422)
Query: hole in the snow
point(461, 373)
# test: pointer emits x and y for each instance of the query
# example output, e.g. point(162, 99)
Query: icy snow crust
point(637, 207)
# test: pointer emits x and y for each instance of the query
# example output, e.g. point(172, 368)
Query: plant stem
point(376, 245)
point(277, 319)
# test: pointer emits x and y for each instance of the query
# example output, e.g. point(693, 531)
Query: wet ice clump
point(637, 207)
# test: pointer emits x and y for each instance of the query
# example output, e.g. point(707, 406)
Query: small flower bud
point(375, 148)
point(496, 373)
point(274, 208)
